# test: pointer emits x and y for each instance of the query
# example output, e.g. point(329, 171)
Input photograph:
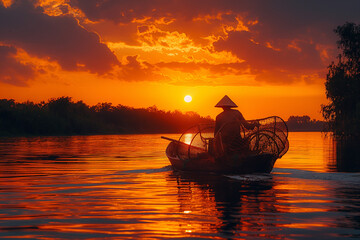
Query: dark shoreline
point(104, 134)
point(64, 117)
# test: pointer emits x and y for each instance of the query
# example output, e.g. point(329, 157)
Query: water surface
point(122, 187)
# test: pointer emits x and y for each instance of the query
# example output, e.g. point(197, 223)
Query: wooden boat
point(254, 151)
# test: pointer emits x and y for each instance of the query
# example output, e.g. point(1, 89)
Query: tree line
point(343, 84)
point(305, 124)
point(63, 116)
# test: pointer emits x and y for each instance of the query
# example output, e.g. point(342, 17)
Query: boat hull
point(236, 163)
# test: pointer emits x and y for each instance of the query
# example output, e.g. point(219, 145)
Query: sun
point(187, 98)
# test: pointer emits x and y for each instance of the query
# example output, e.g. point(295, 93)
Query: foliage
point(62, 116)
point(304, 124)
point(343, 84)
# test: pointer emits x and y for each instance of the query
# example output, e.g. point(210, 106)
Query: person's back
point(229, 124)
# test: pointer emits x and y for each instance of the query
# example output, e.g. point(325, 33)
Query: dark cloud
point(122, 11)
point(217, 69)
point(287, 60)
point(291, 39)
point(56, 38)
point(291, 19)
point(135, 70)
point(125, 11)
point(12, 71)
point(277, 18)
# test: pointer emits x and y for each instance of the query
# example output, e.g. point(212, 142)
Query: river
point(122, 187)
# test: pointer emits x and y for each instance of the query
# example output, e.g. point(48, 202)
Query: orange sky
point(270, 57)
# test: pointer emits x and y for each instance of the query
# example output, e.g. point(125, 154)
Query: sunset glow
point(141, 55)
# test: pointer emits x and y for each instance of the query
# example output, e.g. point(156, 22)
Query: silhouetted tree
point(63, 116)
point(343, 84)
point(304, 124)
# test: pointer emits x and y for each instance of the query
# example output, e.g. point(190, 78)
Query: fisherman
point(228, 125)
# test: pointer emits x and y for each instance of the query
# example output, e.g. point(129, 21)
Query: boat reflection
point(243, 205)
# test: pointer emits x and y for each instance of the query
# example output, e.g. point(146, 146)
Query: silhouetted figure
point(229, 124)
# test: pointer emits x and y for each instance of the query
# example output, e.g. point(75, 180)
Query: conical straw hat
point(226, 102)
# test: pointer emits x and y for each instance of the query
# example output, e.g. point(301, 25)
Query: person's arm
point(245, 123)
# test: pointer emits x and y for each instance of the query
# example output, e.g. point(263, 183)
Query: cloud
point(56, 38)
point(277, 18)
point(12, 71)
point(277, 42)
point(299, 56)
point(198, 19)
point(135, 70)
point(121, 11)
point(237, 68)
point(292, 39)
point(286, 60)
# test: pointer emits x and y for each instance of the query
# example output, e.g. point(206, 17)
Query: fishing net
point(271, 136)
point(196, 140)
point(268, 137)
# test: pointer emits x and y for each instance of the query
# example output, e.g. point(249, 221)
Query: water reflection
point(122, 187)
point(242, 207)
point(349, 207)
point(345, 155)
point(320, 152)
